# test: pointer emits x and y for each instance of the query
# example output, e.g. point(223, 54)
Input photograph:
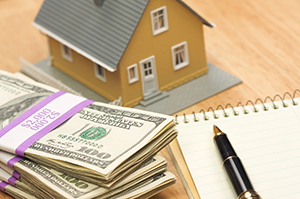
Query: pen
point(234, 167)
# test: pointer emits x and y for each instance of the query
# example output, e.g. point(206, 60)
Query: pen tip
point(216, 130)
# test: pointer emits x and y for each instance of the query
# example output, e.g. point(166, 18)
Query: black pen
point(234, 167)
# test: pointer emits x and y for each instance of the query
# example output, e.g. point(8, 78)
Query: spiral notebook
point(265, 135)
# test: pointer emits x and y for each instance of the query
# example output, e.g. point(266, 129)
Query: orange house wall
point(183, 26)
point(82, 69)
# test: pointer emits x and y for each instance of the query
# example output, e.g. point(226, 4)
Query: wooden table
point(257, 41)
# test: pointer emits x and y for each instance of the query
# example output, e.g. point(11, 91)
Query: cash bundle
point(67, 139)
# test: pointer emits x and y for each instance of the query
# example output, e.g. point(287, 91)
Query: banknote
point(54, 184)
point(17, 96)
point(97, 143)
point(149, 187)
point(9, 179)
point(120, 172)
point(15, 192)
point(9, 170)
point(144, 189)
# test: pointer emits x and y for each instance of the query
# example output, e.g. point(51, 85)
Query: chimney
point(99, 3)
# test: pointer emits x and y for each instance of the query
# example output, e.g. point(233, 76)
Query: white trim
point(165, 18)
point(93, 59)
point(186, 55)
point(136, 74)
point(153, 72)
point(102, 78)
point(66, 56)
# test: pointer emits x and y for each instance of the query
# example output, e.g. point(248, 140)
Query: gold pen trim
point(230, 157)
point(219, 133)
point(249, 194)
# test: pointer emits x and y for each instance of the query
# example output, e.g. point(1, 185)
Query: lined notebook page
point(268, 143)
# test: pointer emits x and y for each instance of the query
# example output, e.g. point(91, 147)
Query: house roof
point(99, 33)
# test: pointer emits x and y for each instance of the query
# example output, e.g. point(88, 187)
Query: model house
point(133, 49)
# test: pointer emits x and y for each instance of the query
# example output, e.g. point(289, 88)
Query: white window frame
point(186, 55)
point(165, 20)
point(66, 56)
point(97, 74)
point(136, 73)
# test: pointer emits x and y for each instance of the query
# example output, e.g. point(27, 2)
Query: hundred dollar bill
point(120, 172)
point(14, 192)
point(9, 170)
point(101, 143)
point(9, 179)
point(147, 188)
point(142, 190)
point(55, 184)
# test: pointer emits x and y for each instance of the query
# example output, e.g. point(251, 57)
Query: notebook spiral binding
point(245, 111)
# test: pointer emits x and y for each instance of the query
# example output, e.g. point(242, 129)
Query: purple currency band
point(26, 144)
point(29, 112)
point(3, 185)
point(12, 161)
point(12, 180)
point(16, 174)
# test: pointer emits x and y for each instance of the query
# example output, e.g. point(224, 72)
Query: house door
point(148, 74)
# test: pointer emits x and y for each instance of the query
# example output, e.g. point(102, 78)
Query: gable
point(205, 22)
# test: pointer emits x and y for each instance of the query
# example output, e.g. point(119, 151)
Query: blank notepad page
point(267, 142)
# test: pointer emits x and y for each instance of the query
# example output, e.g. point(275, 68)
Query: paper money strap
point(8, 169)
point(6, 177)
point(9, 159)
point(2, 185)
point(39, 120)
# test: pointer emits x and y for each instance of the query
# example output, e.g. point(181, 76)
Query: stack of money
point(52, 147)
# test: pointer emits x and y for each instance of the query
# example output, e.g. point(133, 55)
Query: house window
point(180, 55)
point(159, 20)
point(100, 72)
point(132, 73)
point(66, 52)
point(148, 69)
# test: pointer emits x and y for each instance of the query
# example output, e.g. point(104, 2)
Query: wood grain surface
point(256, 41)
